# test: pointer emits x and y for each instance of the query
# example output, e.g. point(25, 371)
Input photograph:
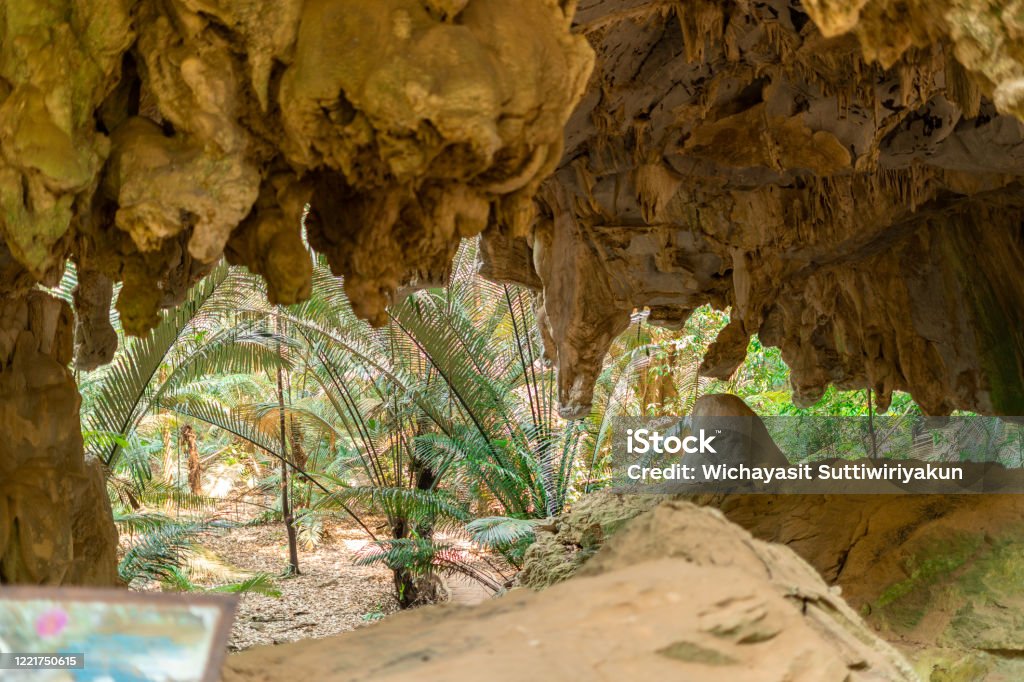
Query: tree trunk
point(299, 457)
point(871, 427)
point(286, 512)
point(413, 590)
point(170, 459)
point(195, 467)
point(298, 452)
point(410, 589)
point(168, 471)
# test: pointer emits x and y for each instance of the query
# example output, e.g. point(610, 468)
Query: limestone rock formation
point(939, 576)
point(862, 215)
point(562, 547)
point(143, 138)
point(844, 175)
point(985, 37)
point(679, 593)
point(56, 525)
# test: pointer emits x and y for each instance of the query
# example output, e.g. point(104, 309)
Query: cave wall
point(56, 526)
point(844, 176)
point(852, 192)
point(143, 139)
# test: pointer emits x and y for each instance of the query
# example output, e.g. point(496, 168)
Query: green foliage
point(399, 504)
point(163, 368)
point(260, 583)
point(420, 558)
point(498, 531)
point(447, 404)
point(159, 553)
point(177, 580)
point(161, 549)
point(444, 420)
point(508, 536)
point(375, 615)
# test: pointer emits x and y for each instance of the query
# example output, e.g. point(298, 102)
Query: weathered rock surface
point(985, 37)
point(940, 577)
point(862, 216)
point(679, 593)
point(56, 525)
point(573, 538)
point(143, 138)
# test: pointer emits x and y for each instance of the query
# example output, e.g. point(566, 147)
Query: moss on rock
point(574, 537)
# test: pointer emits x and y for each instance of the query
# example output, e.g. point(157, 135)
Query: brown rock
point(679, 593)
point(56, 525)
point(859, 214)
point(940, 576)
point(150, 136)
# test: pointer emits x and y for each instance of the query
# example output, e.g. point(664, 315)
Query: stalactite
point(848, 185)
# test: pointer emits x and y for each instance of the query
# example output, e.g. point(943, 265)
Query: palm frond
point(121, 400)
point(260, 583)
point(160, 553)
point(502, 531)
point(422, 557)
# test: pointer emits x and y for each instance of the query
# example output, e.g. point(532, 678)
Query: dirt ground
point(331, 595)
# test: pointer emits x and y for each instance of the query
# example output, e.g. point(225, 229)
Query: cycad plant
point(443, 414)
point(142, 391)
point(436, 429)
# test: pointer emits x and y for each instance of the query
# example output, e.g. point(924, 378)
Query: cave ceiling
point(845, 176)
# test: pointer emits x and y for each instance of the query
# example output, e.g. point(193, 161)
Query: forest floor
point(330, 595)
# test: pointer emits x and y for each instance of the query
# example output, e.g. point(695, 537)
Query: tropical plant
point(141, 392)
point(436, 428)
point(446, 407)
